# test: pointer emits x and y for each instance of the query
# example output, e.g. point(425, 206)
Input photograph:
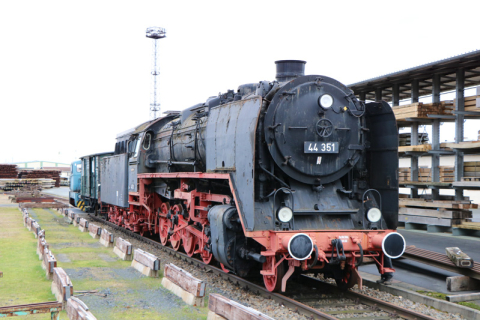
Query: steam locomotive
point(278, 177)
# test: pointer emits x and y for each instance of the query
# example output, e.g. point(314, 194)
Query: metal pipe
point(173, 162)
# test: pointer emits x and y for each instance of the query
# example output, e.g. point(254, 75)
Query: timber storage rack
point(451, 75)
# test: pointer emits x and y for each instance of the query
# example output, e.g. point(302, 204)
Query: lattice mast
point(155, 33)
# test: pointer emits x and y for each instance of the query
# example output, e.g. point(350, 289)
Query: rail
point(53, 308)
point(441, 261)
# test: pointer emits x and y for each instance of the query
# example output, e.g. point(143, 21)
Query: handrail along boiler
point(292, 175)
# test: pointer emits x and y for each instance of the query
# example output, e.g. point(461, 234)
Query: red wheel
point(189, 242)
point(206, 256)
point(164, 227)
point(273, 283)
point(164, 208)
point(177, 209)
point(176, 240)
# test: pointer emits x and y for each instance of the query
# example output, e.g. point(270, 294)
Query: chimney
point(289, 69)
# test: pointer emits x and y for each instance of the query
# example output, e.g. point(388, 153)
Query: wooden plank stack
point(404, 174)
point(417, 148)
point(471, 103)
point(471, 171)
point(435, 212)
point(422, 110)
point(424, 174)
point(25, 184)
point(404, 139)
point(8, 171)
point(41, 174)
point(447, 174)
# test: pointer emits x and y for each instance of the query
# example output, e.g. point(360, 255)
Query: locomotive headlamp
point(374, 214)
point(285, 214)
point(326, 101)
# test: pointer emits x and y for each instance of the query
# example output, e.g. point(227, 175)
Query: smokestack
point(289, 69)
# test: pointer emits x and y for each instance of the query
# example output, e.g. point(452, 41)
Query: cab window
point(147, 141)
point(131, 146)
point(137, 149)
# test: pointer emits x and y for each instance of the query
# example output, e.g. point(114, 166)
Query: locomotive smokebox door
point(312, 129)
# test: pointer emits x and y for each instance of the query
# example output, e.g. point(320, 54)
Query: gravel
point(62, 257)
point(63, 245)
point(408, 304)
point(106, 257)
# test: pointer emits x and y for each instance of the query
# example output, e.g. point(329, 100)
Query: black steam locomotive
point(277, 177)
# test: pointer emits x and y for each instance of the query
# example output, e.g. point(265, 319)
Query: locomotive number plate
point(320, 147)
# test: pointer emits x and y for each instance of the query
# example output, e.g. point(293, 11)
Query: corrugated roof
point(424, 73)
point(98, 154)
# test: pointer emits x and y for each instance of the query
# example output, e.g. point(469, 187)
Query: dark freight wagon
point(90, 188)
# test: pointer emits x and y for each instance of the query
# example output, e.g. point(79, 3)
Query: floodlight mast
point(155, 33)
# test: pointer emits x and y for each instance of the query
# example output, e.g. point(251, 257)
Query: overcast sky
point(74, 74)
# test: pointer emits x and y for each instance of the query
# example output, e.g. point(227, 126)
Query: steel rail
point(53, 307)
point(279, 298)
point(368, 300)
point(441, 261)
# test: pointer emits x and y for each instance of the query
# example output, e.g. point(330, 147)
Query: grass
point(470, 305)
point(436, 295)
point(443, 296)
point(23, 279)
point(91, 267)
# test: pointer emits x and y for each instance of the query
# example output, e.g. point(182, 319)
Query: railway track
point(310, 297)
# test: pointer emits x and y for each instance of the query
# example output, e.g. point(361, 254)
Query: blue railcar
point(75, 179)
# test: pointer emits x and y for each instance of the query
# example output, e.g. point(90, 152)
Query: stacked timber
point(8, 171)
point(405, 139)
point(424, 174)
point(24, 194)
point(435, 212)
point(471, 171)
point(447, 174)
point(405, 174)
point(471, 103)
point(418, 148)
point(41, 174)
point(422, 110)
point(26, 184)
